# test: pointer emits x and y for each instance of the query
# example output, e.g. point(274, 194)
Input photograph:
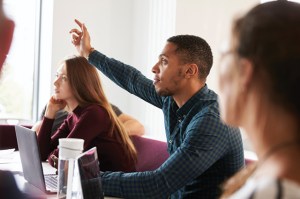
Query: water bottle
point(69, 149)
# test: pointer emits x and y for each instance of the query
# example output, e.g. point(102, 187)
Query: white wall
point(211, 20)
point(119, 29)
point(110, 25)
point(124, 30)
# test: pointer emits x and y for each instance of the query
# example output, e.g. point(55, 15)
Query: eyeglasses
point(228, 52)
point(224, 54)
point(61, 77)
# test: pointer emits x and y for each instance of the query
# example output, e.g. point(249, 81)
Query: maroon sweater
point(92, 124)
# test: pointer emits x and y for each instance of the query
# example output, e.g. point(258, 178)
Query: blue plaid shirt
point(203, 151)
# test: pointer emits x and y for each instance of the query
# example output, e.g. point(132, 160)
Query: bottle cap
point(70, 147)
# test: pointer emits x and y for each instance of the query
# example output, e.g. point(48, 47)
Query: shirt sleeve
point(203, 145)
point(44, 138)
point(87, 122)
point(126, 77)
point(43, 113)
point(60, 116)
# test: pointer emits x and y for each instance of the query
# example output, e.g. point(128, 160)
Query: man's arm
point(127, 77)
point(200, 149)
point(123, 75)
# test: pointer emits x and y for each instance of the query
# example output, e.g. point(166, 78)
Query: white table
point(12, 162)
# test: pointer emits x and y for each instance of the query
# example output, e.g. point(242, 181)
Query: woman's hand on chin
point(53, 106)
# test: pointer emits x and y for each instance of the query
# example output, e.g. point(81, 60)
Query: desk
point(13, 164)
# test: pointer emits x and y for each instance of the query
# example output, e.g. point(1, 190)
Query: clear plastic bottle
point(69, 149)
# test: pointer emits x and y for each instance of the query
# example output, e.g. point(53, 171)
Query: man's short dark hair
point(194, 49)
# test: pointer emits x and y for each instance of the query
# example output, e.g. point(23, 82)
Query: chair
point(150, 153)
point(8, 137)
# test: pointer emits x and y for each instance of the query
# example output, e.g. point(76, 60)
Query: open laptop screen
point(30, 159)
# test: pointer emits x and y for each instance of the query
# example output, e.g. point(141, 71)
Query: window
point(18, 75)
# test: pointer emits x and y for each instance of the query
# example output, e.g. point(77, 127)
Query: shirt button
point(170, 141)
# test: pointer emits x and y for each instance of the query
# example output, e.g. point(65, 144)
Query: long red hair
point(85, 83)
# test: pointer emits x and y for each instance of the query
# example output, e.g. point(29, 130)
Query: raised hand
point(81, 39)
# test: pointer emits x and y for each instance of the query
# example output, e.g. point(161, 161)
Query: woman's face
point(229, 86)
point(62, 88)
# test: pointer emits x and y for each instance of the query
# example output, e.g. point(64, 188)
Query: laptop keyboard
point(51, 182)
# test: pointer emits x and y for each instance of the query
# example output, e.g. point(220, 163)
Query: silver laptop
point(31, 161)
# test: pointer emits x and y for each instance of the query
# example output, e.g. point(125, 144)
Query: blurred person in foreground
point(8, 185)
point(6, 34)
point(259, 84)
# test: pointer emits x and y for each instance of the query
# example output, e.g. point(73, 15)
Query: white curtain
point(161, 26)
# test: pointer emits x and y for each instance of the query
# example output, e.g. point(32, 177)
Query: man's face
point(169, 72)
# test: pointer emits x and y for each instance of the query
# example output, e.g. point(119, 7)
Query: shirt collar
point(199, 95)
point(77, 110)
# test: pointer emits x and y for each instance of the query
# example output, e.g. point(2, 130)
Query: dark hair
point(269, 36)
point(193, 49)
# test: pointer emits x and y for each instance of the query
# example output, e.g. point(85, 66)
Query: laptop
point(31, 161)
point(89, 174)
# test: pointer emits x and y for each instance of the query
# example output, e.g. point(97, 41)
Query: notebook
point(31, 161)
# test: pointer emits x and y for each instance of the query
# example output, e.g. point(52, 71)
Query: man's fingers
point(74, 36)
point(75, 31)
point(78, 23)
point(73, 42)
point(84, 29)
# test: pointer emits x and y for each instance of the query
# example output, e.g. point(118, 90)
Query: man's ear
point(246, 72)
point(192, 70)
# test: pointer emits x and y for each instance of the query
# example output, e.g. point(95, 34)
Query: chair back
point(150, 153)
point(8, 137)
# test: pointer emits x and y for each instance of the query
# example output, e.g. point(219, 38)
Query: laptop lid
point(30, 157)
point(89, 174)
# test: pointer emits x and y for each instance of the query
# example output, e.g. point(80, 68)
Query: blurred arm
point(133, 126)
point(36, 127)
